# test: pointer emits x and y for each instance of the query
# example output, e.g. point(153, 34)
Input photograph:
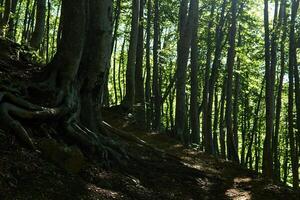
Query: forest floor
point(158, 168)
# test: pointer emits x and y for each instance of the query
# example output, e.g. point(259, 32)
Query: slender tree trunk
point(121, 64)
point(215, 127)
point(255, 124)
point(182, 59)
point(269, 73)
point(292, 65)
point(129, 98)
point(139, 79)
point(155, 83)
point(207, 135)
point(279, 91)
point(213, 76)
point(148, 66)
point(231, 147)
point(38, 33)
point(237, 94)
point(221, 127)
point(194, 116)
point(11, 23)
point(5, 19)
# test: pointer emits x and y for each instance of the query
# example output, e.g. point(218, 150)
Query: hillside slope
point(157, 167)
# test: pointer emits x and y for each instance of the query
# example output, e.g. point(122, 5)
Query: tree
point(139, 80)
point(76, 72)
point(194, 116)
point(232, 153)
point(155, 83)
point(182, 59)
point(128, 100)
point(269, 73)
point(38, 33)
point(4, 20)
point(292, 65)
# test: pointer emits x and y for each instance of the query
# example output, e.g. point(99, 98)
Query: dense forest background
point(219, 75)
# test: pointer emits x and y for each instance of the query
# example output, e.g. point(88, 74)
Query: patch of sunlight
point(242, 180)
point(201, 167)
point(236, 194)
point(103, 192)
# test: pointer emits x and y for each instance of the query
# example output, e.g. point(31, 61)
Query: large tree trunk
point(38, 33)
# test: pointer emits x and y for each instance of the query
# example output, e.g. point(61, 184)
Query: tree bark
point(129, 98)
point(182, 59)
point(38, 33)
point(139, 79)
point(156, 82)
point(231, 147)
point(194, 116)
point(4, 20)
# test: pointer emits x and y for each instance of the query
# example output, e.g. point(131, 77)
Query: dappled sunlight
point(236, 194)
point(103, 192)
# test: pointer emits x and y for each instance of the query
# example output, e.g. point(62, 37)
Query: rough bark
point(231, 147)
point(194, 116)
point(129, 98)
point(148, 65)
point(269, 99)
point(292, 65)
point(214, 73)
point(139, 78)
point(156, 82)
point(182, 59)
point(39, 29)
point(282, 24)
point(205, 129)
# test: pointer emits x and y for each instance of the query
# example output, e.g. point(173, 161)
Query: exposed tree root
point(14, 108)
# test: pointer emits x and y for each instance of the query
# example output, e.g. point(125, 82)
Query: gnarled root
point(103, 147)
point(13, 108)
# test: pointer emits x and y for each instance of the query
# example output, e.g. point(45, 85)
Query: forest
point(114, 85)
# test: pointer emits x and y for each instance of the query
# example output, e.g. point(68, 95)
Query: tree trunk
point(283, 23)
point(206, 131)
point(269, 73)
point(4, 20)
point(231, 147)
point(221, 126)
point(139, 80)
point(194, 116)
point(11, 23)
point(155, 83)
point(182, 59)
point(38, 33)
point(292, 65)
point(214, 74)
point(129, 98)
point(148, 66)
